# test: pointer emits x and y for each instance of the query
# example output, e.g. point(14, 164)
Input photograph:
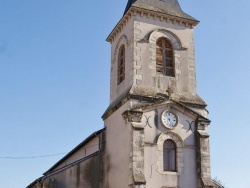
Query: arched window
point(164, 57)
point(169, 156)
point(121, 65)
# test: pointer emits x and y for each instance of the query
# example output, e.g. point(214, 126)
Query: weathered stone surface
point(138, 155)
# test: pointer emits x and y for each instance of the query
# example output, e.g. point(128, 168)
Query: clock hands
point(169, 119)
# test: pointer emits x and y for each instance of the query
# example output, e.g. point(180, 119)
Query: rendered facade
point(155, 133)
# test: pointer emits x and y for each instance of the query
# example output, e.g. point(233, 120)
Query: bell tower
point(151, 67)
point(156, 124)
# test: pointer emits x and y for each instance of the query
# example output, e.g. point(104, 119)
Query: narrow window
point(164, 57)
point(169, 156)
point(121, 65)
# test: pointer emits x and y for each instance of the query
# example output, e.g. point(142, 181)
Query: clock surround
point(169, 119)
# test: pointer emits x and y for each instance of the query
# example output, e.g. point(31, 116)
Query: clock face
point(169, 119)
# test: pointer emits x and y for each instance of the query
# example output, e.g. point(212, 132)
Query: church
point(155, 127)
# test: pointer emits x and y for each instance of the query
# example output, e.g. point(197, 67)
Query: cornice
point(119, 26)
point(133, 11)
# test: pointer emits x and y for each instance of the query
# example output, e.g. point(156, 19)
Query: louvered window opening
point(121, 64)
point(164, 57)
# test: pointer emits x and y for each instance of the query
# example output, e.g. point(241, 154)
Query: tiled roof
point(171, 7)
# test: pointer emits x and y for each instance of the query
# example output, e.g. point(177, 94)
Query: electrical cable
point(34, 157)
point(42, 156)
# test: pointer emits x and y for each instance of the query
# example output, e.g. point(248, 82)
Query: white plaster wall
point(117, 151)
point(187, 178)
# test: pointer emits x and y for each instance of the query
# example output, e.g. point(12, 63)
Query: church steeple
point(171, 7)
point(156, 122)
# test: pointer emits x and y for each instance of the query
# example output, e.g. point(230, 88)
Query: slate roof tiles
point(171, 7)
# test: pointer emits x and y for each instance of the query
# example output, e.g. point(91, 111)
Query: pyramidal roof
point(170, 7)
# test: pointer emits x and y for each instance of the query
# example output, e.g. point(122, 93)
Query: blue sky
point(54, 81)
